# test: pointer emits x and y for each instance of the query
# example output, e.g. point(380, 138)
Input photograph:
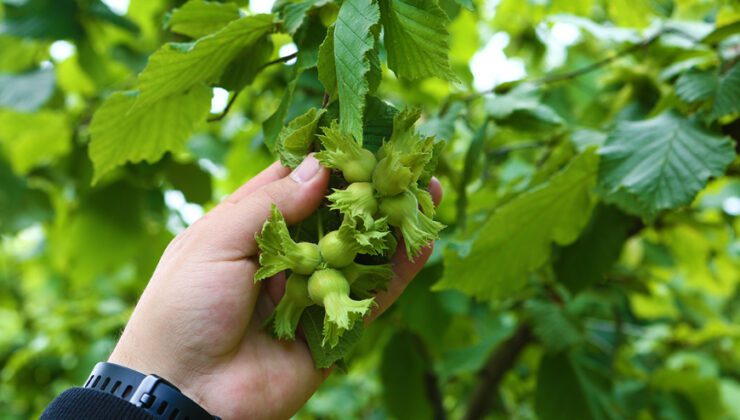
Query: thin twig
point(505, 150)
point(226, 110)
point(490, 376)
point(431, 381)
point(559, 77)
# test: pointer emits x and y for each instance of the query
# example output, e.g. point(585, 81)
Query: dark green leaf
point(312, 324)
point(695, 85)
point(587, 260)
point(568, 388)
point(403, 373)
point(727, 99)
point(192, 180)
point(660, 164)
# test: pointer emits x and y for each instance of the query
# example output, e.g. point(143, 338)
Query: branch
point(226, 110)
point(490, 376)
point(505, 150)
point(431, 382)
point(559, 77)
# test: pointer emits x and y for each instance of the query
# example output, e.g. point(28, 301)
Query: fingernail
point(306, 170)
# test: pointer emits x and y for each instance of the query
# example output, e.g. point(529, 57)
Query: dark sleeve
point(84, 404)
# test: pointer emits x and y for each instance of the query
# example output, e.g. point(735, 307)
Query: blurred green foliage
point(592, 190)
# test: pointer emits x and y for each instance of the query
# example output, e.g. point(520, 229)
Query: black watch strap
point(158, 397)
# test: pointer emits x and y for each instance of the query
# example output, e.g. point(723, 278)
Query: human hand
point(198, 322)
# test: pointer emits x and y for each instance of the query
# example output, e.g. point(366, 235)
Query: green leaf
point(123, 133)
point(32, 140)
point(42, 19)
point(378, 124)
point(727, 100)
point(721, 33)
point(198, 18)
point(403, 373)
point(26, 91)
point(587, 260)
point(294, 14)
point(177, 67)
point(522, 110)
point(468, 4)
point(631, 13)
point(518, 236)
point(552, 325)
point(415, 37)
point(312, 324)
point(294, 140)
point(569, 388)
point(661, 163)
point(354, 39)
point(274, 123)
point(695, 85)
point(326, 64)
point(192, 180)
point(247, 65)
point(18, 54)
point(22, 205)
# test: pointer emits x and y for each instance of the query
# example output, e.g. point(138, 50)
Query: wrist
point(165, 367)
point(149, 392)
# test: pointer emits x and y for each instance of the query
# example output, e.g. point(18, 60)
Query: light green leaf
point(294, 140)
point(199, 18)
point(26, 91)
point(416, 36)
point(34, 139)
point(518, 237)
point(661, 163)
point(177, 67)
point(354, 40)
point(274, 123)
point(123, 133)
point(727, 100)
point(631, 13)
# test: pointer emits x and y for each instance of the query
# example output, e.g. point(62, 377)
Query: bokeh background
point(645, 325)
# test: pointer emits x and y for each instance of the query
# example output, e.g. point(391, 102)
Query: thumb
point(230, 228)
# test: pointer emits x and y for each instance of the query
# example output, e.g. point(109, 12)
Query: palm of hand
point(199, 322)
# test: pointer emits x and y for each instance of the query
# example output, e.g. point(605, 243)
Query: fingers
point(435, 189)
point(228, 230)
point(405, 270)
point(270, 174)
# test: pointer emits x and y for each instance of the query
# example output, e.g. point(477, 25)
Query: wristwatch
point(152, 393)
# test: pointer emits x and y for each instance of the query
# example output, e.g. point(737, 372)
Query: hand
point(198, 323)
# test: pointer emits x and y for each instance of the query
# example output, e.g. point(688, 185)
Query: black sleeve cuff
point(83, 404)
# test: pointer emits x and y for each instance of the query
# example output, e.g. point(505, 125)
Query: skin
point(198, 322)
